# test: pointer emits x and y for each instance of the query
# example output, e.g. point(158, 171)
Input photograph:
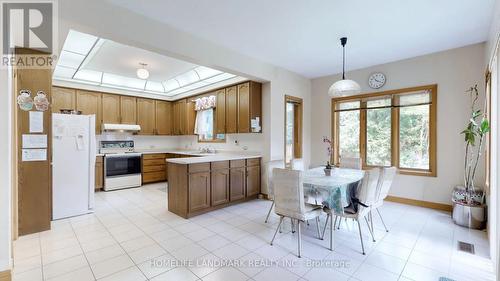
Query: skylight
point(79, 48)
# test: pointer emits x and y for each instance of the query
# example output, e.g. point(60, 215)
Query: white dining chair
point(351, 163)
point(298, 164)
point(366, 195)
point(383, 187)
point(270, 166)
point(289, 202)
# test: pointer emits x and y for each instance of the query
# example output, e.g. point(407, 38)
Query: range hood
point(121, 128)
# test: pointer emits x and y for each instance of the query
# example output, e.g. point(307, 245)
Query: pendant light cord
point(343, 62)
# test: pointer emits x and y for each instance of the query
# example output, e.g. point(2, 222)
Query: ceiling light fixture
point(142, 72)
point(344, 87)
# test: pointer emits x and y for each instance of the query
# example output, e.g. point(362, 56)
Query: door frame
point(298, 116)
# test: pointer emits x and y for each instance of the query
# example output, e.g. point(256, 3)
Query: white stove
point(122, 165)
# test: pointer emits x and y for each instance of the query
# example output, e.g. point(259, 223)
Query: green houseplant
point(468, 200)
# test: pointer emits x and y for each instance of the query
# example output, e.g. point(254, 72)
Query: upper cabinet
point(90, 103)
point(128, 109)
point(231, 110)
point(110, 109)
point(249, 106)
point(63, 98)
point(146, 116)
point(190, 117)
point(183, 117)
point(163, 111)
point(220, 112)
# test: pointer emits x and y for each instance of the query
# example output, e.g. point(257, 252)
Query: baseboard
point(5, 275)
point(420, 203)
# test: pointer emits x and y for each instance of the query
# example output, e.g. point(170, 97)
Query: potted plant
point(469, 208)
point(328, 167)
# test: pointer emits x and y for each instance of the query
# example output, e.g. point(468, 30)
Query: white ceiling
point(303, 36)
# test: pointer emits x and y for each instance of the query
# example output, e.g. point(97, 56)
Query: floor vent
point(466, 247)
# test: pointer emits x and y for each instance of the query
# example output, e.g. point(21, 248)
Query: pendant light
point(344, 87)
point(142, 72)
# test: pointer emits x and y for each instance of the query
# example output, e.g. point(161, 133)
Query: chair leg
point(332, 227)
point(380, 215)
point(326, 225)
point(293, 225)
point(340, 221)
point(299, 238)
point(371, 223)
point(317, 228)
point(361, 237)
point(269, 212)
point(369, 229)
point(277, 229)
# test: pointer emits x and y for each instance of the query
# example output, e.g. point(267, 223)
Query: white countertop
point(213, 158)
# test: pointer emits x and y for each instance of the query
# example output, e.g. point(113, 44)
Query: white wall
point(105, 20)
point(454, 71)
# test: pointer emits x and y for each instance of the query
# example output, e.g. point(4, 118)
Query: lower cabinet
point(199, 191)
point(220, 186)
point(154, 167)
point(253, 180)
point(237, 179)
point(99, 172)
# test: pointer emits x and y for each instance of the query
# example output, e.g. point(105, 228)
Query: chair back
point(270, 166)
point(351, 163)
point(288, 193)
point(385, 182)
point(368, 190)
point(298, 164)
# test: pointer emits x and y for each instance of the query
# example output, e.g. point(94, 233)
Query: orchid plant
point(329, 150)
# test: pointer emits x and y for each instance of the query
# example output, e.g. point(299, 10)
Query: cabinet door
point(237, 183)
point(244, 108)
point(253, 180)
point(190, 118)
point(182, 117)
point(99, 173)
point(220, 187)
point(176, 125)
point(199, 191)
point(146, 116)
point(231, 110)
point(110, 109)
point(63, 98)
point(220, 112)
point(90, 103)
point(163, 118)
point(128, 110)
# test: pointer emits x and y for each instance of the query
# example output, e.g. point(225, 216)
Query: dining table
point(331, 191)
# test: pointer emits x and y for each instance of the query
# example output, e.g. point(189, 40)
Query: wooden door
point(220, 186)
point(237, 183)
point(110, 109)
point(146, 116)
point(199, 191)
point(182, 117)
point(163, 111)
point(231, 110)
point(190, 118)
point(90, 103)
point(220, 112)
point(244, 108)
point(63, 98)
point(253, 180)
point(128, 110)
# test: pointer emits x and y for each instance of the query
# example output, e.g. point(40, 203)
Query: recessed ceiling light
point(142, 72)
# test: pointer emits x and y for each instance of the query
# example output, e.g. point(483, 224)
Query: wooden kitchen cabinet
point(163, 112)
point(111, 109)
point(231, 110)
point(199, 187)
point(190, 117)
point(63, 98)
point(249, 105)
point(99, 173)
point(154, 167)
point(220, 183)
point(90, 103)
point(253, 180)
point(237, 179)
point(128, 110)
point(183, 117)
point(146, 116)
point(220, 112)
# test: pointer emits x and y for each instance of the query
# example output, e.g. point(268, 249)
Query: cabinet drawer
point(153, 162)
point(157, 168)
point(253, 162)
point(220, 165)
point(237, 163)
point(199, 167)
point(153, 177)
point(154, 156)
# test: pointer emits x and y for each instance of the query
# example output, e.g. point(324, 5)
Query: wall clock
point(376, 80)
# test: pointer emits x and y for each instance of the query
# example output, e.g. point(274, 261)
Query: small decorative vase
point(328, 172)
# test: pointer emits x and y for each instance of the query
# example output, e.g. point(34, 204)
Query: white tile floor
point(132, 236)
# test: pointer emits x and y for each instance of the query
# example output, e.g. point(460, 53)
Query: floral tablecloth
point(331, 191)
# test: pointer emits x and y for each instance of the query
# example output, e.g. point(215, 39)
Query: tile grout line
point(80, 244)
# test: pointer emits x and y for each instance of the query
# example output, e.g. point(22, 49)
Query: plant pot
point(328, 172)
point(469, 216)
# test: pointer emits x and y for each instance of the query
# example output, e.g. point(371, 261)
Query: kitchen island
point(197, 185)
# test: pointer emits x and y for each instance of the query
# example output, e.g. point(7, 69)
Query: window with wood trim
point(391, 128)
point(293, 129)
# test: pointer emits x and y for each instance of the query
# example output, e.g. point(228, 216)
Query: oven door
point(122, 165)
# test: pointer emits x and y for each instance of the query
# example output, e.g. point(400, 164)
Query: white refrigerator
point(73, 165)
